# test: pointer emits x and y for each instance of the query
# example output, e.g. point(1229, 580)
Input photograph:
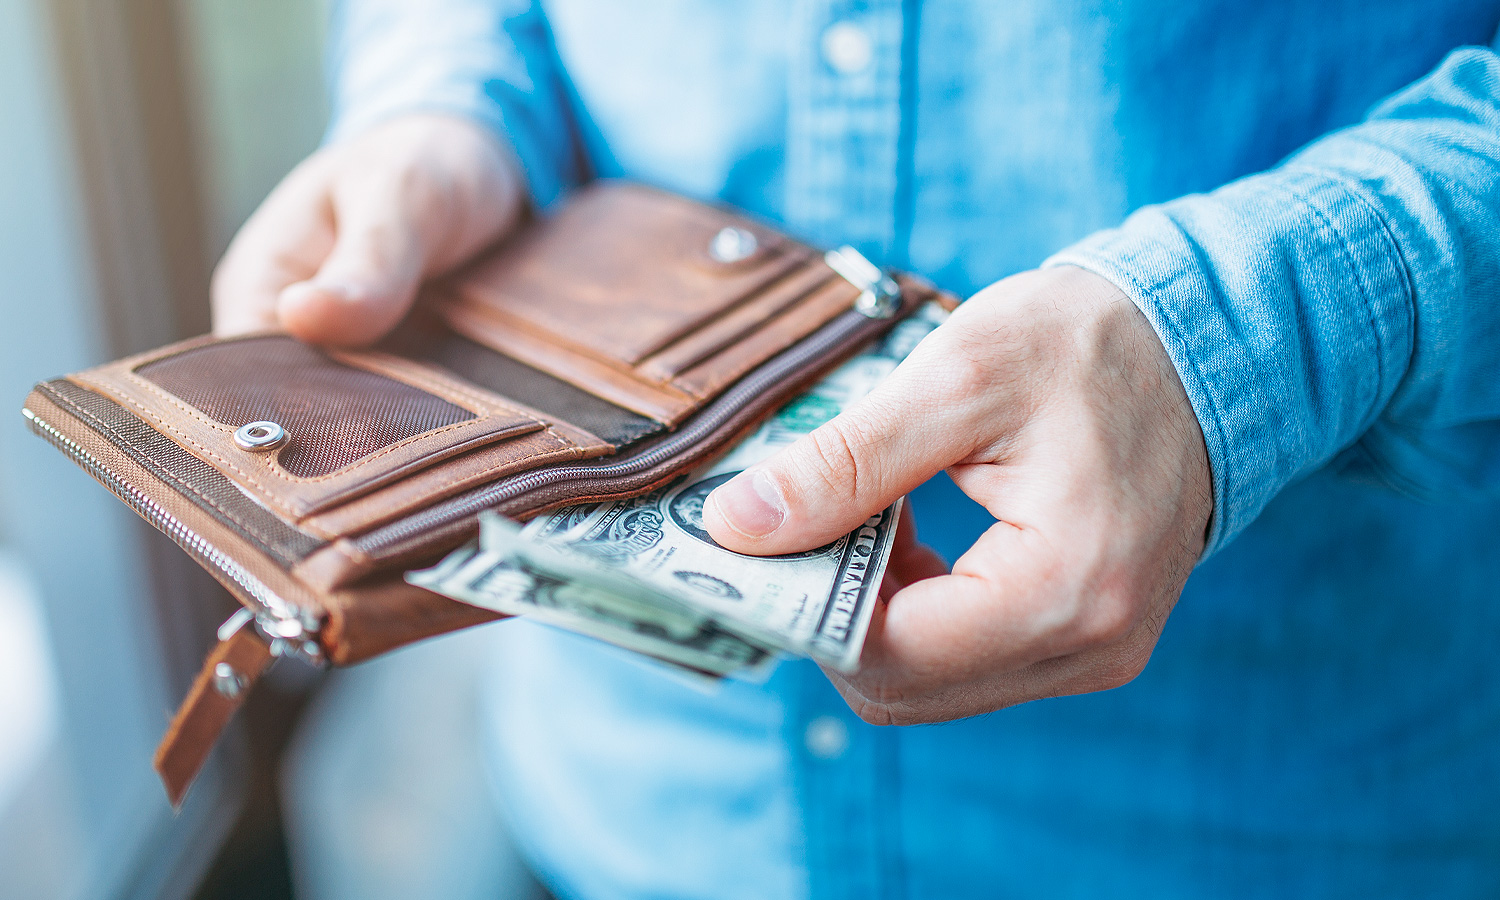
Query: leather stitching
point(171, 476)
point(482, 421)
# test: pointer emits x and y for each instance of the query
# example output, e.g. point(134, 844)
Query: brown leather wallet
point(598, 353)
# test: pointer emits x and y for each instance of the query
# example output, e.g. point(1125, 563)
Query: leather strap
point(232, 668)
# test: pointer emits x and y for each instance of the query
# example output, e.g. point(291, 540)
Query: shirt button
point(826, 737)
point(847, 48)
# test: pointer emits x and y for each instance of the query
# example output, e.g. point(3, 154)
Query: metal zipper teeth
point(271, 606)
point(730, 403)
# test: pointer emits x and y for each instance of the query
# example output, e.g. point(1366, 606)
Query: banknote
point(645, 574)
point(817, 603)
point(557, 593)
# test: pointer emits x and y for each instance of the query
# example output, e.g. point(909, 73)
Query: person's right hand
point(335, 254)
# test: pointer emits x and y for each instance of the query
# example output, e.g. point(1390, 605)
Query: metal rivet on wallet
point(260, 436)
point(227, 681)
point(732, 245)
point(879, 302)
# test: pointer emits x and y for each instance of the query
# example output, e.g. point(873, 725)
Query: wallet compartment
point(246, 547)
point(630, 294)
point(353, 422)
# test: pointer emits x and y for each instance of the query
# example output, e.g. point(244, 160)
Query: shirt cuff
point(389, 79)
point(1285, 308)
point(543, 180)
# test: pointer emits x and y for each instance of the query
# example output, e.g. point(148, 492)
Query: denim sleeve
point(489, 60)
point(1341, 308)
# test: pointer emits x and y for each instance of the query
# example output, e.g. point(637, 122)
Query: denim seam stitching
point(1352, 260)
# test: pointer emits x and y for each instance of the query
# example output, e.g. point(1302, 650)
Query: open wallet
point(601, 351)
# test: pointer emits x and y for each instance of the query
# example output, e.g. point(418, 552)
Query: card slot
point(610, 382)
point(752, 285)
point(553, 398)
point(639, 298)
point(671, 385)
point(705, 380)
point(737, 324)
point(438, 482)
point(588, 332)
point(623, 271)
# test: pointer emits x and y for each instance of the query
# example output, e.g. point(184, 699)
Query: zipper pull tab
point(879, 295)
point(232, 668)
point(287, 634)
point(234, 623)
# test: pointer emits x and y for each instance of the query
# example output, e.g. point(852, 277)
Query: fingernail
point(751, 504)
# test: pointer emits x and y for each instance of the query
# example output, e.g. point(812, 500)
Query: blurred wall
point(135, 135)
point(257, 86)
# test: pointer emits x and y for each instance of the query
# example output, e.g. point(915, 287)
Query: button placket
point(846, 786)
point(844, 124)
point(847, 48)
point(826, 738)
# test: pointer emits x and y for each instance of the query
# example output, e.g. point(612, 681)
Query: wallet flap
point(623, 270)
point(352, 422)
point(637, 296)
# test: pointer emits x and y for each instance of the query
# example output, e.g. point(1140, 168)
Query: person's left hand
point(335, 255)
point(1050, 400)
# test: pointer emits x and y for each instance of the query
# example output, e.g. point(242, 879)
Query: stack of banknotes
point(644, 574)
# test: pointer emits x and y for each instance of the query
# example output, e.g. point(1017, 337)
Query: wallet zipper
point(291, 631)
point(816, 346)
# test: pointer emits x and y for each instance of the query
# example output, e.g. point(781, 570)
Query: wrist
point(1137, 388)
point(1100, 383)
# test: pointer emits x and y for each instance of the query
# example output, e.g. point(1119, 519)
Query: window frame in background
point(103, 249)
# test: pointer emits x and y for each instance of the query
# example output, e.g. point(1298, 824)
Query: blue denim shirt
point(1303, 198)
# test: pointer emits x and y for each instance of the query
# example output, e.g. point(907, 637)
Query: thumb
point(367, 282)
point(832, 479)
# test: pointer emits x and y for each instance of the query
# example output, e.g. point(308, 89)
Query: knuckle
point(1126, 668)
point(1105, 623)
point(872, 713)
point(833, 459)
point(883, 712)
point(910, 715)
point(879, 701)
point(966, 364)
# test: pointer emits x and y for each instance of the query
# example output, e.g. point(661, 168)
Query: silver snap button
point(260, 436)
point(229, 683)
point(826, 737)
point(847, 48)
point(732, 245)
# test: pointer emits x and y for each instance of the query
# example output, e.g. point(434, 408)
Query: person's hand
point(335, 254)
point(1050, 400)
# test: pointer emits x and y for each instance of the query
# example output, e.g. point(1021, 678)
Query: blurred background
point(135, 137)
